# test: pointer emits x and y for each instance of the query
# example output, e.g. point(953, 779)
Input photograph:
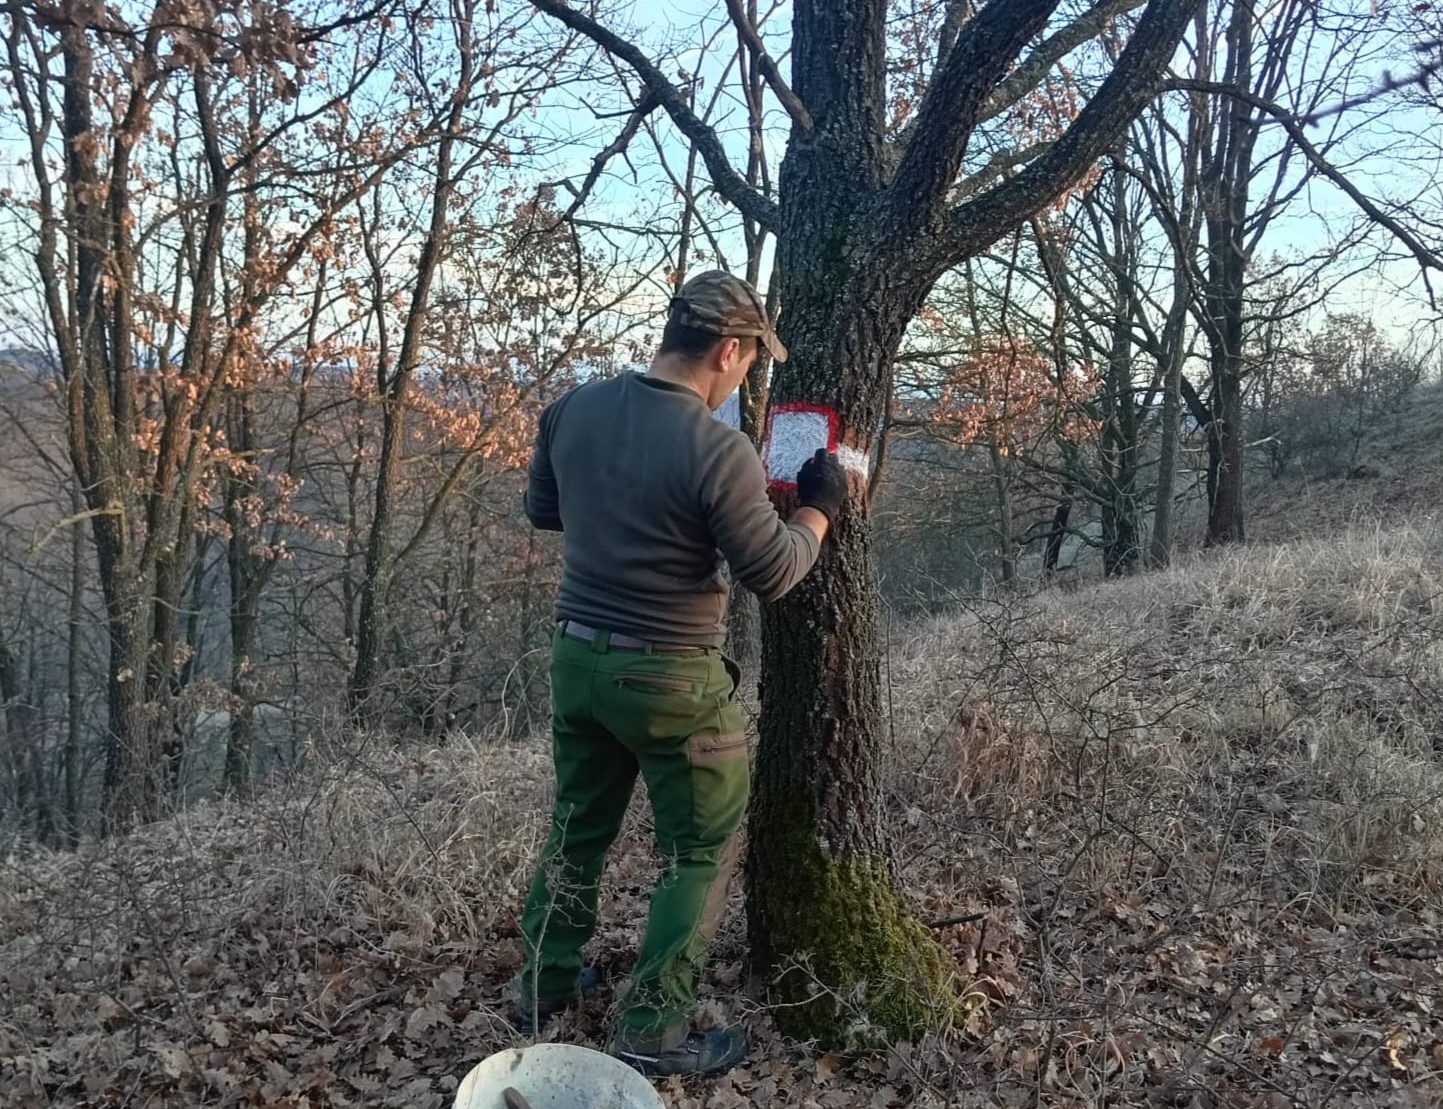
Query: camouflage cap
point(717, 303)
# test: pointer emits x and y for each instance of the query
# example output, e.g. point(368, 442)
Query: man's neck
point(675, 372)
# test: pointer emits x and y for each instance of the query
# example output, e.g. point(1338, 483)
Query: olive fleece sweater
point(653, 496)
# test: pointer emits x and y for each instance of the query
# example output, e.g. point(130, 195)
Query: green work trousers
point(675, 719)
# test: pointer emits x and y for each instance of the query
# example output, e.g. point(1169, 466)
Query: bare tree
point(1267, 68)
point(865, 223)
point(134, 313)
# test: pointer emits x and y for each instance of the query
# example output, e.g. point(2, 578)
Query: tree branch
point(953, 103)
point(952, 21)
point(1134, 80)
point(1027, 76)
point(1200, 411)
point(998, 165)
point(644, 108)
point(790, 100)
point(1426, 259)
point(727, 180)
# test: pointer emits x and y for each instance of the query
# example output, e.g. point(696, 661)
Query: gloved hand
point(822, 484)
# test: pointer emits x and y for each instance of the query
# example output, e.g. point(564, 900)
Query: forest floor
point(1200, 814)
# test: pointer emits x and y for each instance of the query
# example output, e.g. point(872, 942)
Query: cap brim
point(774, 346)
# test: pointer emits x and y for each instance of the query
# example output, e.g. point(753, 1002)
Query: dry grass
point(241, 954)
point(1397, 474)
point(1208, 805)
point(1289, 697)
point(1200, 815)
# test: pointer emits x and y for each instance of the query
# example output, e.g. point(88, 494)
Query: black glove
point(822, 484)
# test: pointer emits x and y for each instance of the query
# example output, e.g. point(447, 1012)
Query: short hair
point(691, 344)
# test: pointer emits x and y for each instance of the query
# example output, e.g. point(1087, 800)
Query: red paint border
point(833, 424)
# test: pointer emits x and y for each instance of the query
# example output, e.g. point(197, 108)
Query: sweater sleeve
point(765, 554)
point(542, 499)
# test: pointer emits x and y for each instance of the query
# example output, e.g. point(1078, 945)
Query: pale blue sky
point(1389, 291)
point(672, 31)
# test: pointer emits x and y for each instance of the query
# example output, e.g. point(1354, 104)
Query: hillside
point(1397, 472)
point(1195, 821)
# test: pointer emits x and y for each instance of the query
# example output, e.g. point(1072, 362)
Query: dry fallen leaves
point(254, 955)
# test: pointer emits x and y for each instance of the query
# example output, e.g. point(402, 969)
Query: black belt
point(627, 642)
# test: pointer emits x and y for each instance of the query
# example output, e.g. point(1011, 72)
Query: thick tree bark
point(825, 911)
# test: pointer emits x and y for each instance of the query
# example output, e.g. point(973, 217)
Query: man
point(649, 489)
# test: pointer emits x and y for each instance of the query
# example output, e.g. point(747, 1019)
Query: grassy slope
point(1198, 817)
point(1397, 475)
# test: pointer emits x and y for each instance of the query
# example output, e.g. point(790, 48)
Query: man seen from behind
point(653, 495)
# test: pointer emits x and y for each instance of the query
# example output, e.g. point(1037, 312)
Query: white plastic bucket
point(556, 1076)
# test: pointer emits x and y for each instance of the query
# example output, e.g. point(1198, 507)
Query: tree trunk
point(394, 387)
point(74, 678)
point(101, 453)
point(826, 914)
point(1121, 538)
point(1057, 533)
point(1225, 177)
point(1121, 426)
point(1171, 433)
point(132, 761)
point(376, 567)
point(163, 681)
point(744, 617)
point(534, 664)
point(1006, 528)
point(1225, 452)
point(247, 582)
point(13, 737)
point(1174, 349)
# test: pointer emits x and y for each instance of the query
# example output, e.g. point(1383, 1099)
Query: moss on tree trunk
point(834, 941)
point(859, 967)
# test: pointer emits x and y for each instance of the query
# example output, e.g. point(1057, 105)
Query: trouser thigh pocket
point(711, 748)
point(657, 683)
point(720, 782)
point(648, 702)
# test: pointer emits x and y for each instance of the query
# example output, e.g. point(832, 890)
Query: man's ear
point(727, 351)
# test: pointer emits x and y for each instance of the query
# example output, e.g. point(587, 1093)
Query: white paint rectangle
point(795, 436)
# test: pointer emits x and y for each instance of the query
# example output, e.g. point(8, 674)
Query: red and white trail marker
point(794, 434)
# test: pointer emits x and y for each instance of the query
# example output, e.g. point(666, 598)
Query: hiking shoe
point(530, 1017)
point(703, 1053)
